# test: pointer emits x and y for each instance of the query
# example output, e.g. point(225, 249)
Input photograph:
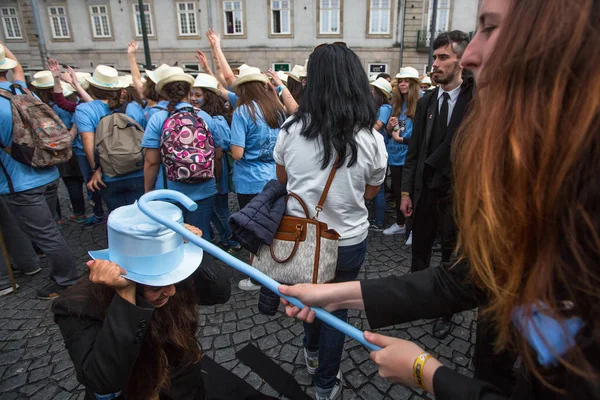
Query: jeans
point(33, 210)
point(321, 337)
point(86, 170)
point(18, 245)
point(379, 206)
point(220, 216)
point(122, 192)
point(73, 184)
point(396, 172)
point(200, 218)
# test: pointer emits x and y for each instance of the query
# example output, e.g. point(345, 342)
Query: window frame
point(339, 34)
point(289, 64)
point(109, 21)
point(17, 16)
point(192, 65)
point(386, 64)
point(225, 35)
point(150, 5)
point(448, 8)
point(187, 12)
point(377, 35)
point(53, 36)
point(290, 9)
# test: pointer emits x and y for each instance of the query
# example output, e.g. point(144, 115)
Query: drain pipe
point(40, 32)
point(209, 12)
point(403, 19)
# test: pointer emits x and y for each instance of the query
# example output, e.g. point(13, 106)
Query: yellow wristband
point(418, 369)
point(405, 194)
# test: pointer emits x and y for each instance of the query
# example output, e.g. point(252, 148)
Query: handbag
point(304, 250)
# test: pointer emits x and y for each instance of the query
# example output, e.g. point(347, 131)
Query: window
point(58, 22)
point(380, 12)
point(147, 19)
point(186, 18)
point(443, 15)
point(100, 21)
point(10, 22)
point(330, 17)
point(234, 19)
point(285, 67)
point(280, 17)
point(193, 67)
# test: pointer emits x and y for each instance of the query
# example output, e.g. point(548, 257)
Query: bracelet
point(280, 88)
point(402, 194)
point(418, 369)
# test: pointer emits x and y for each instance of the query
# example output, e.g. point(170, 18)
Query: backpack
point(118, 142)
point(187, 148)
point(39, 137)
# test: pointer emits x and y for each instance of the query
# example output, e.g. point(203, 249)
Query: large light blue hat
point(151, 253)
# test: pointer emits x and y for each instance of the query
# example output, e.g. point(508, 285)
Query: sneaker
point(28, 273)
point(311, 358)
point(80, 219)
point(247, 285)
point(234, 245)
point(375, 227)
point(8, 290)
point(51, 291)
point(93, 221)
point(336, 391)
point(395, 230)
point(409, 240)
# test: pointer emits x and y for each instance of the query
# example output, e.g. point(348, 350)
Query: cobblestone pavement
point(34, 363)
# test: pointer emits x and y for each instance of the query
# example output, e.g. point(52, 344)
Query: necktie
point(444, 110)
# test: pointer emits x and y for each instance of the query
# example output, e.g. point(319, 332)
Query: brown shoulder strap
point(319, 206)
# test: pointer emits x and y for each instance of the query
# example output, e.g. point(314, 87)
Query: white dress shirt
point(451, 101)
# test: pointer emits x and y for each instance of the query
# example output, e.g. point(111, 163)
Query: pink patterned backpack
point(187, 148)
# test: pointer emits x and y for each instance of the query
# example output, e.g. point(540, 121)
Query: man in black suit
point(427, 175)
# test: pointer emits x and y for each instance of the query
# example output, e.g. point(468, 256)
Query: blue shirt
point(22, 176)
point(221, 132)
point(233, 98)
point(385, 111)
point(87, 117)
point(257, 166)
point(150, 111)
point(67, 119)
point(152, 135)
point(397, 151)
point(137, 112)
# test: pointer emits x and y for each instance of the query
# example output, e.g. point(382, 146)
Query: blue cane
point(239, 265)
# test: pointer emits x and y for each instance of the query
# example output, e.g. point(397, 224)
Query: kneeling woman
point(130, 328)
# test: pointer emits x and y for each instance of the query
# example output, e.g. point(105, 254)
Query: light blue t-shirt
point(150, 111)
point(22, 176)
point(221, 132)
point(233, 98)
point(195, 191)
point(257, 166)
point(87, 117)
point(67, 118)
point(136, 111)
point(385, 111)
point(397, 151)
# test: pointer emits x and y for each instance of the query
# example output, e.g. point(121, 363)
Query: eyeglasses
point(326, 44)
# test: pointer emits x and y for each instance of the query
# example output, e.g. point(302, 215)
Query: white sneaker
point(395, 230)
point(8, 290)
point(409, 240)
point(247, 285)
point(311, 358)
point(336, 391)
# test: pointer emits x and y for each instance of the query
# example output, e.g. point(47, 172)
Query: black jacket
point(104, 343)
point(445, 290)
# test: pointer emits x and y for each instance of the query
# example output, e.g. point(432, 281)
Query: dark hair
point(3, 74)
point(175, 92)
point(45, 95)
point(384, 76)
point(214, 105)
point(261, 95)
point(133, 95)
point(149, 92)
point(295, 88)
point(380, 98)
point(113, 96)
point(459, 41)
point(337, 102)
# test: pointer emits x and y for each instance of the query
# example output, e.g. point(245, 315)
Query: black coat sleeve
point(434, 292)
point(211, 282)
point(414, 147)
point(104, 351)
point(450, 385)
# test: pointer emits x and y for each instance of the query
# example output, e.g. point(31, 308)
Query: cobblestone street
point(34, 363)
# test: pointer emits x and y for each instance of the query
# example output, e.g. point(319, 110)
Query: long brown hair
point(150, 93)
point(175, 92)
point(214, 105)
point(527, 172)
point(133, 96)
point(256, 94)
point(411, 99)
point(112, 96)
point(170, 339)
point(45, 95)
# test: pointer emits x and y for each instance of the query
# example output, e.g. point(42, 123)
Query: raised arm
point(220, 60)
point(85, 97)
point(133, 66)
point(18, 72)
point(288, 100)
point(201, 57)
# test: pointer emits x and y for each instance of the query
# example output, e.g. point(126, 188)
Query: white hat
point(43, 80)
point(298, 72)
point(206, 81)
point(170, 75)
point(249, 74)
point(236, 71)
point(408, 73)
point(6, 63)
point(282, 76)
point(107, 78)
point(426, 80)
point(67, 89)
point(372, 78)
point(383, 85)
point(152, 74)
point(82, 79)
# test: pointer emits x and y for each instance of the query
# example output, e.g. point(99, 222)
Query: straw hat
point(283, 77)
point(82, 79)
point(236, 71)
point(152, 74)
point(6, 63)
point(249, 74)
point(106, 78)
point(298, 72)
point(43, 80)
point(172, 74)
point(408, 73)
point(383, 85)
point(426, 80)
point(67, 89)
point(206, 81)
point(372, 78)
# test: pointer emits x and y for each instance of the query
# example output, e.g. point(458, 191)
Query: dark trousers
point(74, 186)
point(433, 212)
point(396, 174)
point(244, 199)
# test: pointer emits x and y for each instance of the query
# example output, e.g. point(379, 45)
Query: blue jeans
point(379, 206)
point(86, 170)
point(221, 215)
point(321, 337)
point(200, 218)
point(122, 192)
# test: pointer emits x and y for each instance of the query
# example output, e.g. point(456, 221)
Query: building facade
point(261, 33)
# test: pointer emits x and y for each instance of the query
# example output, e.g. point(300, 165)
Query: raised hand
point(132, 47)
point(72, 75)
point(213, 38)
point(53, 67)
point(273, 75)
point(202, 60)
